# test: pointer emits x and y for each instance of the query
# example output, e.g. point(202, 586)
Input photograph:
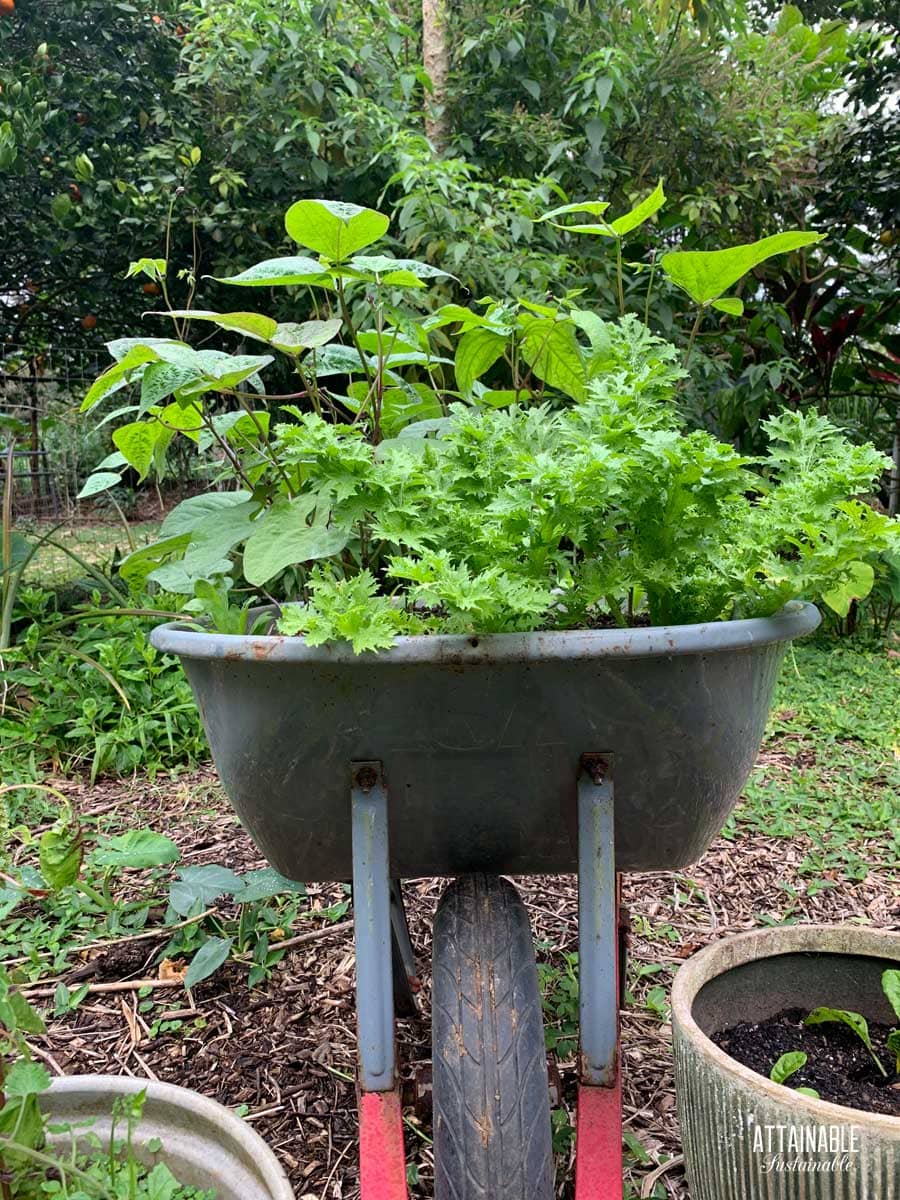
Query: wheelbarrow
point(474, 757)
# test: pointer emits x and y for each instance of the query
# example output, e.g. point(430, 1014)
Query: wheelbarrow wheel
point(492, 1138)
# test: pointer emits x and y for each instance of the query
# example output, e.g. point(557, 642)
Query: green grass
point(96, 544)
point(833, 771)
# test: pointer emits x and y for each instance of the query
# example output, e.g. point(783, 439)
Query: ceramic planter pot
point(746, 1138)
point(203, 1143)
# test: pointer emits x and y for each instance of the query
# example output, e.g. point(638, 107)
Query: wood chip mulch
point(285, 1050)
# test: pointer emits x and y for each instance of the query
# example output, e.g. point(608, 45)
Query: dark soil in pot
point(838, 1067)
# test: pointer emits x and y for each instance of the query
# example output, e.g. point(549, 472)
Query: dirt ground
point(285, 1049)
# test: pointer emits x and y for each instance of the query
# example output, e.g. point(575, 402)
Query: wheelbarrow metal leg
point(405, 982)
point(382, 1167)
point(598, 1159)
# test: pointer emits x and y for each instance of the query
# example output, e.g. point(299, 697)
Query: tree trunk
point(436, 59)
point(894, 489)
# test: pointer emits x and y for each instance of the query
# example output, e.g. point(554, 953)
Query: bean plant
point(504, 467)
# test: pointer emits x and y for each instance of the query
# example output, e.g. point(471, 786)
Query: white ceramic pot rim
point(210, 1114)
point(730, 952)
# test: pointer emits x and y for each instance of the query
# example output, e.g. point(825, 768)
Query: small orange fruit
point(7, 7)
point(151, 289)
point(89, 321)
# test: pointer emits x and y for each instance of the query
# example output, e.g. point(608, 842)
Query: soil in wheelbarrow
point(838, 1066)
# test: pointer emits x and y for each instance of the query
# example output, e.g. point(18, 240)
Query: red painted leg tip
point(598, 1143)
point(382, 1166)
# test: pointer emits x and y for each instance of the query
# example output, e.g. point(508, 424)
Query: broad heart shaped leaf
point(137, 848)
point(183, 418)
point(198, 534)
point(640, 213)
point(115, 415)
point(224, 370)
point(137, 442)
point(551, 350)
point(341, 360)
point(333, 228)
point(161, 379)
point(855, 585)
point(890, 985)
point(706, 274)
point(216, 536)
point(305, 335)
point(186, 516)
point(120, 348)
point(118, 376)
point(476, 352)
point(732, 305)
point(282, 537)
point(280, 272)
point(254, 325)
point(238, 427)
point(100, 481)
point(404, 406)
point(112, 461)
point(211, 955)
point(597, 330)
point(179, 580)
point(198, 887)
point(788, 1065)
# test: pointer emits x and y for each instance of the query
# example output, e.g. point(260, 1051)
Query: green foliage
point(41, 725)
point(705, 274)
point(487, 515)
point(853, 1020)
point(750, 121)
point(527, 518)
point(348, 610)
point(85, 1168)
point(787, 1065)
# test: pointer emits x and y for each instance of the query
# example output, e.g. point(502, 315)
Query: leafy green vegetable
point(852, 1020)
point(539, 477)
point(789, 1064)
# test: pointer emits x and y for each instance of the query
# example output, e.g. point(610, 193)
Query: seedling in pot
point(788, 1065)
point(28, 1163)
point(890, 984)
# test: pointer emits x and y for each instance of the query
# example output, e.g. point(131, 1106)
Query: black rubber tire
point(492, 1138)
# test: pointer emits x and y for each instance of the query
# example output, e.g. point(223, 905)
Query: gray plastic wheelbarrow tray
point(481, 739)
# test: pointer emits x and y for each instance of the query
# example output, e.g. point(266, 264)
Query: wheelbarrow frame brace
point(378, 946)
